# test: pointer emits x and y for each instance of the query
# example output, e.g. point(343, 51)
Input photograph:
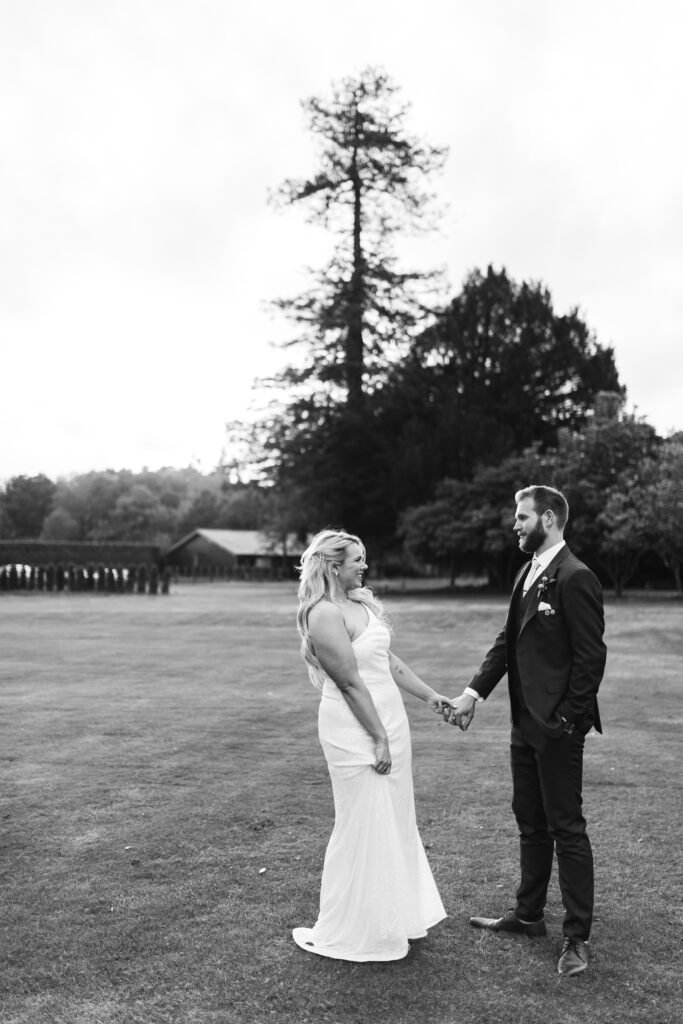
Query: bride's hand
point(382, 763)
point(439, 704)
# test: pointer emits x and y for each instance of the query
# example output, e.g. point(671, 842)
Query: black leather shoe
point(510, 923)
point(573, 958)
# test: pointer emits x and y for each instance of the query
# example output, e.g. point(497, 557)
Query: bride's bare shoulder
point(324, 613)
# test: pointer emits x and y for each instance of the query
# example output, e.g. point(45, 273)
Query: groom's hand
point(461, 711)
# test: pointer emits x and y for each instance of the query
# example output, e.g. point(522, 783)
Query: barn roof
point(240, 542)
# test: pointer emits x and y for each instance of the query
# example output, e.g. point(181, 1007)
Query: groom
point(552, 650)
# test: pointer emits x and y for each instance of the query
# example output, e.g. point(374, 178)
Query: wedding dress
point(377, 888)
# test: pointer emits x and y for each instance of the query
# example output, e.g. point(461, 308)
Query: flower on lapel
point(544, 584)
point(544, 607)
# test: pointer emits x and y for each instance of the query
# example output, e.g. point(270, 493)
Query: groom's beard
point(534, 538)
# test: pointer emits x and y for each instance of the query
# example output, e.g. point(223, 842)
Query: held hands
point(457, 711)
point(440, 704)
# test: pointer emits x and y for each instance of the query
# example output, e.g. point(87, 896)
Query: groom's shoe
point(510, 923)
point(573, 958)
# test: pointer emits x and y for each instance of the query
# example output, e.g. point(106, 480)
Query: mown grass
point(159, 753)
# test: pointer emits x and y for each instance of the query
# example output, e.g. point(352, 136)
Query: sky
point(139, 141)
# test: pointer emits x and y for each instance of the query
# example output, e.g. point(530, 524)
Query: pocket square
point(544, 607)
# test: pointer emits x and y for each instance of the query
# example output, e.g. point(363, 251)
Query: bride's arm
point(334, 652)
point(407, 680)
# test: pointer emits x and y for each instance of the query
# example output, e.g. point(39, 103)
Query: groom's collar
point(548, 555)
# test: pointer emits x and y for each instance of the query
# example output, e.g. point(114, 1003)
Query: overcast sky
point(139, 139)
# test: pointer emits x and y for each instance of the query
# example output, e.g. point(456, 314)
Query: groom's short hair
point(545, 498)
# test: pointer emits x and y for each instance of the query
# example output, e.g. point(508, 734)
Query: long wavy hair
point(317, 581)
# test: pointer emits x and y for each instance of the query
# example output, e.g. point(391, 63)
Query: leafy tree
point(607, 458)
point(470, 522)
point(284, 518)
point(497, 372)
point(121, 505)
point(230, 507)
point(204, 512)
point(89, 499)
point(361, 309)
point(139, 516)
point(606, 473)
point(442, 530)
point(245, 506)
point(662, 498)
point(624, 537)
point(369, 186)
point(26, 502)
point(59, 525)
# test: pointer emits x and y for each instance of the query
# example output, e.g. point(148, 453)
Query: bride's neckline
point(367, 624)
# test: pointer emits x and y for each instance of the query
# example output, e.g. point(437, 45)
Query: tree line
point(412, 422)
point(404, 415)
point(624, 485)
point(154, 506)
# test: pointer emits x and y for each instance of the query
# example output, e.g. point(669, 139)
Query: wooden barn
point(234, 554)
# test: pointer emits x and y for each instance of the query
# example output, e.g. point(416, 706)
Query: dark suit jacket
point(560, 653)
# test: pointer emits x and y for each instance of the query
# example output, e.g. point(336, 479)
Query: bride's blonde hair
point(318, 580)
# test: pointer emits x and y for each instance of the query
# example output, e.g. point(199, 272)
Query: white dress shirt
point(539, 563)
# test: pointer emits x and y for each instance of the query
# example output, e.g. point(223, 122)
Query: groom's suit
point(557, 659)
point(554, 657)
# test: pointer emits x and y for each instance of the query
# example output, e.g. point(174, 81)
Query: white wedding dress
point(377, 888)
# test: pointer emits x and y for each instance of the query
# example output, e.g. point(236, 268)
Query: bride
point(377, 888)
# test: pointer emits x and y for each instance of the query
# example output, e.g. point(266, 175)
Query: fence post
point(142, 578)
point(153, 580)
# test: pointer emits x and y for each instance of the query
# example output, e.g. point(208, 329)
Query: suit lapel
point(519, 579)
point(516, 587)
point(548, 573)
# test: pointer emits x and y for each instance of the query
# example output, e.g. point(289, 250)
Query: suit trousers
point(547, 803)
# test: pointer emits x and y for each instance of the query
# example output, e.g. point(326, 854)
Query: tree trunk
point(354, 338)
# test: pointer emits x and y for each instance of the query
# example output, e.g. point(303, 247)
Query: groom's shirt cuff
point(473, 693)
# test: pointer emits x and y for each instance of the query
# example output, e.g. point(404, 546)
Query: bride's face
point(352, 568)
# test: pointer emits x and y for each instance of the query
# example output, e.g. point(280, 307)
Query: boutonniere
point(544, 584)
point(544, 607)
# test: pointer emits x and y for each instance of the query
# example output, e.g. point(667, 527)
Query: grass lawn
point(166, 806)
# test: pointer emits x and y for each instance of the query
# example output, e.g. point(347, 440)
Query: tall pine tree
point(369, 187)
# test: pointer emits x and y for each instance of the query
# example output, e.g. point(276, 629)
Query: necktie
point(532, 573)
